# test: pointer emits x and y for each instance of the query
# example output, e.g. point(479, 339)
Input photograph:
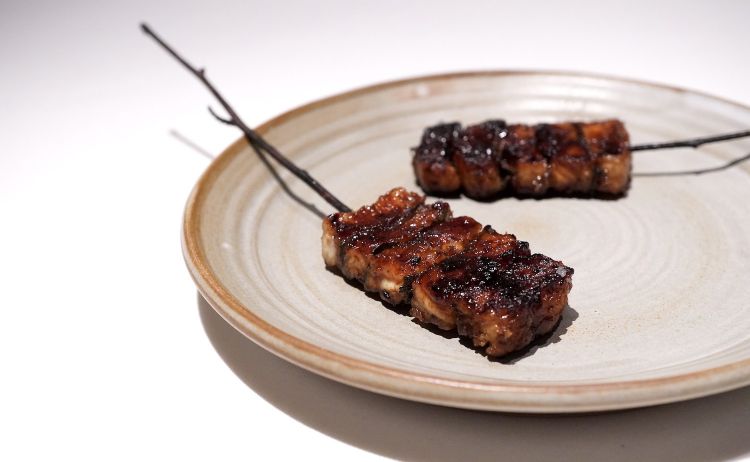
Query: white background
point(106, 351)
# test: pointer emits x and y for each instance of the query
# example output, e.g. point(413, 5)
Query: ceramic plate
point(659, 311)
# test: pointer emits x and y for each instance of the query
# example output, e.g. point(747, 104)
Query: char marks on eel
point(454, 273)
point(530, 160)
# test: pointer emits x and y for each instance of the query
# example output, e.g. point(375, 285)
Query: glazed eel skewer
point(453, 272)
point(571, 158)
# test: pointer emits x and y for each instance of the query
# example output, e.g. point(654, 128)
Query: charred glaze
point(496, 292)
point(477, 157)
point(432, 161)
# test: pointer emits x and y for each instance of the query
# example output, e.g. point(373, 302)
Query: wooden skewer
point(256, 141)
point(691, 143)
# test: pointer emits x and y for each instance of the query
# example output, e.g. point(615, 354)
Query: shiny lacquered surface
point(659, 310)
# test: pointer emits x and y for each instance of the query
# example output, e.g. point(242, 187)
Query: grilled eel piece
point(528, 160)
point(454, 273)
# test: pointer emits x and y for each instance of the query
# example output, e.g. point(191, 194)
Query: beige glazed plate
point(659, 311)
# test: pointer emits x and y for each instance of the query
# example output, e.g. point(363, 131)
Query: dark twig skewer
point(255, 140)
point(692, 143)
point(699, 171)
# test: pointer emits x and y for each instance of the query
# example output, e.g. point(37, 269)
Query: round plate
point(659, 310)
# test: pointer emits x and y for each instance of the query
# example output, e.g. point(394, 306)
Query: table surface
point(107, 350)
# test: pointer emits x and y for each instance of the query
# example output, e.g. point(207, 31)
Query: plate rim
point(473, 394)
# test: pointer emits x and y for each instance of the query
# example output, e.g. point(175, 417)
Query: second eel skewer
point(570, 158)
